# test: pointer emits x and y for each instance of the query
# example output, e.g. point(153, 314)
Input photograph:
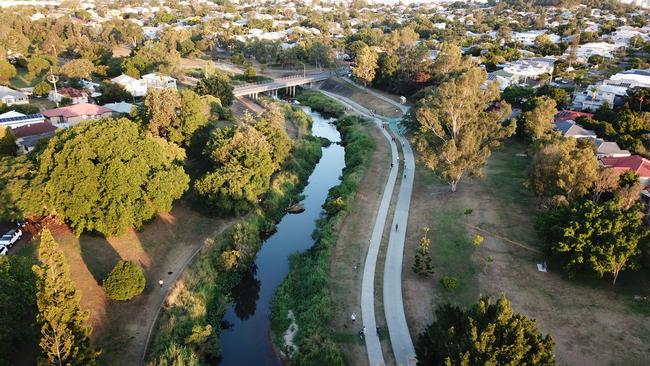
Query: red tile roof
point(72, 92)
point(567, 115)
point(635, 163)
point(33, 129)
point(81, 109)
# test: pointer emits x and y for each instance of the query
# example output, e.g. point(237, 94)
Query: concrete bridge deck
point(289, 83)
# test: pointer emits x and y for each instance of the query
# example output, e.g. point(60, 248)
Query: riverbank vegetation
point(306, 291)
point(191, 320)
point(321, 103)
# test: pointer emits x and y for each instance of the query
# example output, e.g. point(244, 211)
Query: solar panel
point(22, 118)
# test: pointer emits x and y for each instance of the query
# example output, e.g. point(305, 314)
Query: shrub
point(448, 282)
point(478, 240)
point(125, 281)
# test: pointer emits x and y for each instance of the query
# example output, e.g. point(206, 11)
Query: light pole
point(53, 79)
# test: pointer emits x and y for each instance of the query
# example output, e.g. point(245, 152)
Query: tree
point(175, 116)
point(422, 264)
point(113, 92)
point(249, 73)
point(365, 65)
point(125, 281)
point(7, 71)
point(539, 121)
point(218, 86)
point(122, 178)
point(638, 99)
point(485, 334)
point(17, 305)
point(7, 142)
point(176, 355)
point(36, 65)
point(320, 54)
point(42, 89)
point(601, 237)
point(606, 181)
point(459, 124)
point(78, 68)
point(449, 60)
point(243, 162)
point(563, 167)
point(64, 335)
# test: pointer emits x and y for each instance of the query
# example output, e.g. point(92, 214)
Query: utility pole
point(53, 79)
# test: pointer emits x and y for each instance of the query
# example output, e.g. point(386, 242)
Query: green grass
point(452, 250)
point(506, 174)
point(19, 81)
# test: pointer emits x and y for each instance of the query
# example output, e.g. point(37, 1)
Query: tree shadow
point(99, 255)
point(246, 294)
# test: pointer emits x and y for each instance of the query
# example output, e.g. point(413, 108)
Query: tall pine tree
point(64, 336)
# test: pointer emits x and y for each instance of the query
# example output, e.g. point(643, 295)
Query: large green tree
point(601, 237)
point(485, 334)
point(78, 68)
point(64, 334)
point(216, 85)
point(106, 176)
point(244, 165)
point(563, 168)
point(174, 115)
point(17, 306)
point(7, 142)
point(539, 121)
point(365, 65)
point(459, 124)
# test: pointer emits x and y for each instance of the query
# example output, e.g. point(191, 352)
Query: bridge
point(289, 83)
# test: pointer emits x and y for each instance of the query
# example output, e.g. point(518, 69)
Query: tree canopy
point(216, 85)
point(600, 237)
point(459, 124)
point(64, 335)
point(103, 176)
point(485, 334)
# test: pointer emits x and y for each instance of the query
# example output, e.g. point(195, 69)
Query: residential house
point(568, 115)
point(11, 97)
point(572, 129)
point(528, 38)
point(76, 96)
point(596, 96)
point(120, 108)
point(530, 68)
point(505, 79)
point(609, 149)
point(28, 135)
point(587, 50)
point(136, 88)
point(631, 78)
point(623, 35)
point(635, 163)
point(14, 119)
point(158, 81)
point(73, 114)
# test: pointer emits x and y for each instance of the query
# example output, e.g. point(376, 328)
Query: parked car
point(3, 250)
point(11, 237)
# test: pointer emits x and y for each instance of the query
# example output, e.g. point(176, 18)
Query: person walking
point(161, 283)
point(353, 317)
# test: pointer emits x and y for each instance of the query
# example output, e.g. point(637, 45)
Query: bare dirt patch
point(592, 322)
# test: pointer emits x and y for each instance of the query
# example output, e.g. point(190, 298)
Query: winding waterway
point(247, 339)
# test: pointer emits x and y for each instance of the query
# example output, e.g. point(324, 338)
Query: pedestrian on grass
point(353, 317)
point(161, 282)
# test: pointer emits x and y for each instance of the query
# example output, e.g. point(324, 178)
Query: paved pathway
point(373, 345)
point(392, 292)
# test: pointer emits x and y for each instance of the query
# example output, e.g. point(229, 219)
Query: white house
point(596, 96)
point(136, 88)
point(528, 38)
point(530, 68)
point(631, 78)
point(120, 108)
point(11, 97)
point(587, 50)
point(157, 81)
point(622, 35)
point(14, 119)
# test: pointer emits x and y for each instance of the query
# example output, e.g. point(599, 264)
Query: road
point(392, 291)
point(253, 88)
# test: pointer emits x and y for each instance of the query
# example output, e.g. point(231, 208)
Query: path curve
point(373, 345)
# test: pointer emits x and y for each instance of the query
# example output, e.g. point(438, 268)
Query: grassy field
point(19, 81)
point(592, 322)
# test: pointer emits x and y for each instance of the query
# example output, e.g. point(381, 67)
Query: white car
point(11, 237)
point(4, 250)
